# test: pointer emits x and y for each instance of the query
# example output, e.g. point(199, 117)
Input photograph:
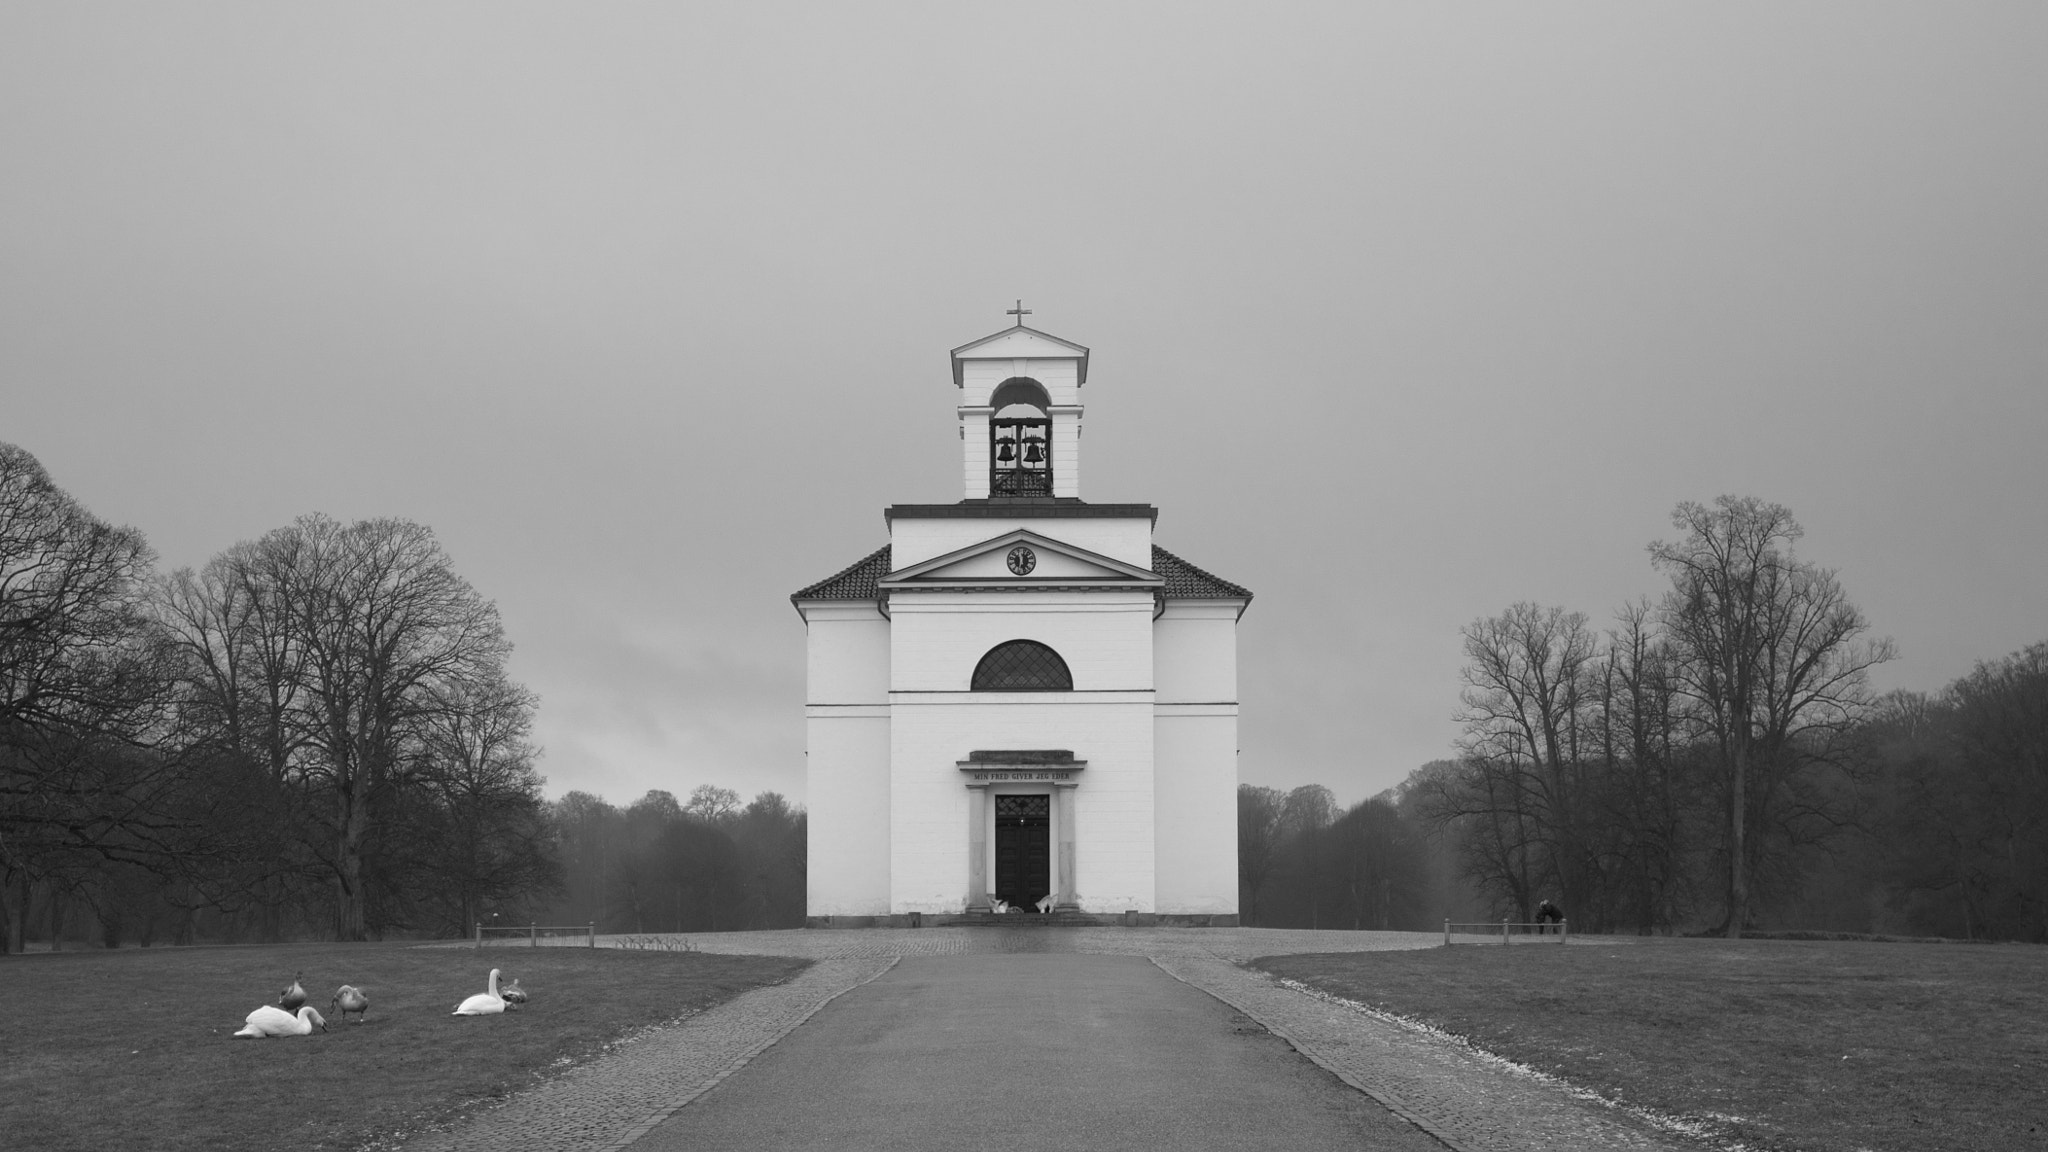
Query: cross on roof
point(1020, 312)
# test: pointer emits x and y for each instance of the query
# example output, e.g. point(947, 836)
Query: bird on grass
point(483, 1003)
point(349, 998)
point(266, 1022)
point(293, 997)
point(514, 995)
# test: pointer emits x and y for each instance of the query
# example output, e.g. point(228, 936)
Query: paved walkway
point(1465, 1099)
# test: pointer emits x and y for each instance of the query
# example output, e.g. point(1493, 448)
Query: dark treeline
point(313, 734)
point(704, 865)
point(1715, 761)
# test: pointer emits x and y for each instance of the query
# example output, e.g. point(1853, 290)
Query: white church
point(1020, 700)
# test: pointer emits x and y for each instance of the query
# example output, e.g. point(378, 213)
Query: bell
point(1004, 451)
point(1033, 453)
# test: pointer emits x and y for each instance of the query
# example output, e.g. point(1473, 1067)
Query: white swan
point(483, 1003)
point(349, 998)
point(266, 1022)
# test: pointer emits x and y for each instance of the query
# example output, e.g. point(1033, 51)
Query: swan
point(483, 1003)
point(293, 997)
point(514, 995)
point(349, 998)
point(266, 1022)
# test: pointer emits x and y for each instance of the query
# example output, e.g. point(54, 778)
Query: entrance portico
point(1051, 775)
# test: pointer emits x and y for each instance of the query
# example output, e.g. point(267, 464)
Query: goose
point(483, 1003)
point(292, 998)
point(514, 995)
point(266, 1022)
point(349, 998)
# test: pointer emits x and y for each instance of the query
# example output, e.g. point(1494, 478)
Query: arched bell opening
point(1020, 439)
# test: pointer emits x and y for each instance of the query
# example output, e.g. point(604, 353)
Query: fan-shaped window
point(1022, 666)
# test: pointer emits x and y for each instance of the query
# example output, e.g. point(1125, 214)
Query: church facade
point(1020, 700)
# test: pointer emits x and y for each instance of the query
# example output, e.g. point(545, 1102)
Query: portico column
point(977, 848)
point(1064, 790)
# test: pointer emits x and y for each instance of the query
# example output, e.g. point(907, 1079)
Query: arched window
point(1022, 666)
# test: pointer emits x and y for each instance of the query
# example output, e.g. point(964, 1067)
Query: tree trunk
point(1738, 850)
point(350, 913)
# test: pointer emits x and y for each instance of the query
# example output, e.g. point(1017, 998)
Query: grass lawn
point(1817, 1046)
point(132, 1049)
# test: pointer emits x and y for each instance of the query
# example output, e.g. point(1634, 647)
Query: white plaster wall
point(1060, 378)
point(1195, 782)
point(1125, 538)
point(847, 798)
point(1066, 451)
point(936, 638)
point(846, 653)
point(1194, 649)
point(1113, 804)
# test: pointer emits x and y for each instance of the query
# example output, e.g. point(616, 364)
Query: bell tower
point(1020, 414)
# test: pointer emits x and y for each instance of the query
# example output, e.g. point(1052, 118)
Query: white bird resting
point(267, 1021)
point(483, 1003)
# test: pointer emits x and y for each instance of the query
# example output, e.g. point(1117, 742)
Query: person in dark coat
point(1547, 914)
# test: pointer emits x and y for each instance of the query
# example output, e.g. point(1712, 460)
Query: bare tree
point(1770, 655)
point(383, 634)
point(83, 693)
point(1525, 721)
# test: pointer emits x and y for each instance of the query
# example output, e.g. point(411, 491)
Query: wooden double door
point(1023, 848)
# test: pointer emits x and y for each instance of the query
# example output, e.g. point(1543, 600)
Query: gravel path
point(1466, 1099)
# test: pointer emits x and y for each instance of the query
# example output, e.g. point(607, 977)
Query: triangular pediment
point(1047, 563)
point(1021, 343)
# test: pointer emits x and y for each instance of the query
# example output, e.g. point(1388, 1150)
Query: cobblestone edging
point(610, 1103)
point(1469, 1101)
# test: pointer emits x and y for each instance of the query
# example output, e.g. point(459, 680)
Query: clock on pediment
point(1022, 560)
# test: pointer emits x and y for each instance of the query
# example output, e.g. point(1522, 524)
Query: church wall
point(1195, 777)
point(938, 637)
point(1128, 539)
point(1194, 644)
point(1114, 849)
point(846, 742)
point(846, 653)
point(847, 798)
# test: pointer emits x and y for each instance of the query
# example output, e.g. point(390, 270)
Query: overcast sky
point(1400, 314)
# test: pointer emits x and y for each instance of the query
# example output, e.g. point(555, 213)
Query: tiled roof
point(855, 583)
point(1184, 581)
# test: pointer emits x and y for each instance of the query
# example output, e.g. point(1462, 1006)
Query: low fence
point(556, 935)
point(1504, 931)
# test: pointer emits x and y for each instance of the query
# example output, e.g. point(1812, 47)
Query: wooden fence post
point(1563, 932)
point(479, 946)
point(1503, 930)
point(532, 935)
point(1447, 933)
point(593, 933)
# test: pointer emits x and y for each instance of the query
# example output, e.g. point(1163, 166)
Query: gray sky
point(1400, 314)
